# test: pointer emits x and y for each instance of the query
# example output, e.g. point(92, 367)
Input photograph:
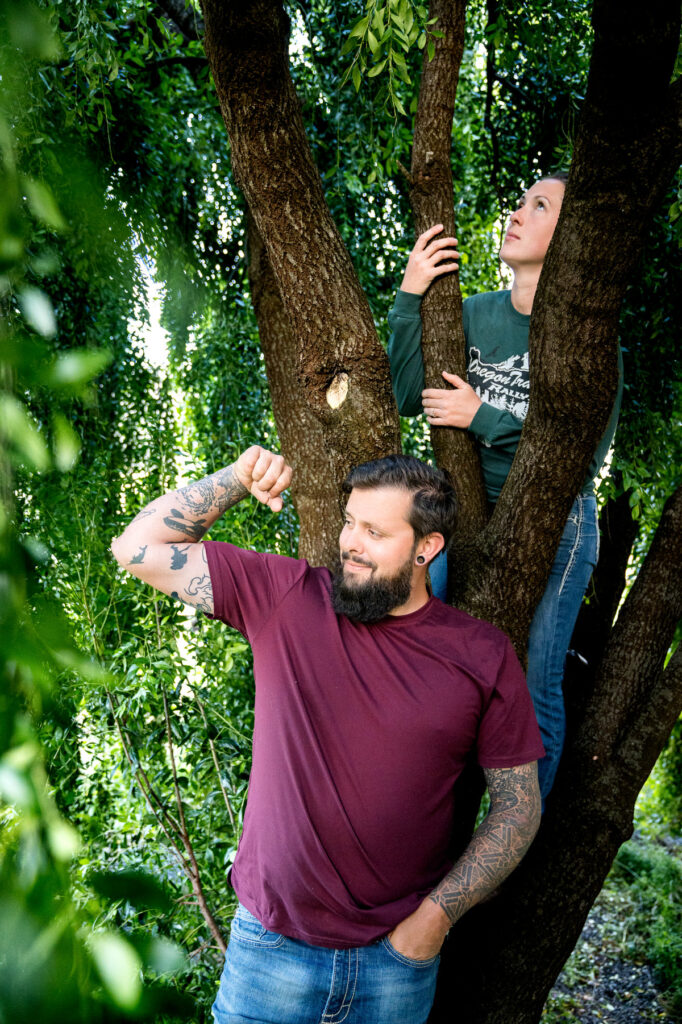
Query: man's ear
point(429, 546)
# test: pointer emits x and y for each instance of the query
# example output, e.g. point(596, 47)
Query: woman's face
point(532, 224)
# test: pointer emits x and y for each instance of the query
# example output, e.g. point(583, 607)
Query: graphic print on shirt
point(503, 385)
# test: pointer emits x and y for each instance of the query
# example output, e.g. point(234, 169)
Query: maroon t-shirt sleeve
point(508, 734)
point(248, 585)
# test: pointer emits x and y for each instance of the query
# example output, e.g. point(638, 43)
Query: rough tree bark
point(431, 198)
point(342, 366)
point(313, 486)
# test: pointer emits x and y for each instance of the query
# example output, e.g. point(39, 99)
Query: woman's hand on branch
point(264, 475)
point(425, 262)
point(451, 407)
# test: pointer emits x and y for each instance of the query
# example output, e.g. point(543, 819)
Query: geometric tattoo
point(499, 843)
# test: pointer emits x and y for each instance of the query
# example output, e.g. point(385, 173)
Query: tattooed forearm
point(216, 493)
point(177, 520)
point(499, 843)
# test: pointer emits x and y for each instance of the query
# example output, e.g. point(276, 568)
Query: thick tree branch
point(634, 657)
point(491, 77)
point(313, 486)
point(431, 197)
point(658, 713)
point(342, 365)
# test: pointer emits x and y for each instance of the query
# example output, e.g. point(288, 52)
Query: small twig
point(405, 173)
point(148, 791)
point(186, 842)
point(216, 764)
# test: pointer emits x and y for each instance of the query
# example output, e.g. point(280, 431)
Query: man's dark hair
point(433, 498)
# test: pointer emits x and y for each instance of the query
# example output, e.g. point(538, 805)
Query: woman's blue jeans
point(271, 979)
point(552, 626)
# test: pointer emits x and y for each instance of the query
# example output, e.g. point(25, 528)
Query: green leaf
point(358, 29)
point(377, 69)
point(78, 366)
point(357, 79)
point(43, 204)
point(90, 671)
point(119, 967)
point(373, 42)
point(38, 311)
point(30, 30)
point(163, 956)
point(21, 431)
point(63, 839)
point(431, 49)
point(137, 887)
point(66, 443)
point(17, 789)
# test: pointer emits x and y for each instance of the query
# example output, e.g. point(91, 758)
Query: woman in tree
point(492, 405)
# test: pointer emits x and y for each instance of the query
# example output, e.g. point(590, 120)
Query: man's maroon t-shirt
point(360, 733)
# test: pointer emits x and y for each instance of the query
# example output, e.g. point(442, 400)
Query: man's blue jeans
point(270, 979)
point(552, 626)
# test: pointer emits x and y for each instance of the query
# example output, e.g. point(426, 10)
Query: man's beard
point(372, 599)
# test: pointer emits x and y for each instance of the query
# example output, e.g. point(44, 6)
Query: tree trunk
point(431, 197)
point(313, 485)
point(342, 367)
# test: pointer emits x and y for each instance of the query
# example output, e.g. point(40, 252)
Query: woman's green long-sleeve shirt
point(497, 348)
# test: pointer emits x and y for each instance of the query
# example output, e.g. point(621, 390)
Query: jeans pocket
point(407, 960)
point(247, 928)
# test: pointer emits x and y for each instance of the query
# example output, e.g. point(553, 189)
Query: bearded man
point(371, 696)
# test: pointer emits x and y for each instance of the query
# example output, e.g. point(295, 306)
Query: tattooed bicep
point(512, 786)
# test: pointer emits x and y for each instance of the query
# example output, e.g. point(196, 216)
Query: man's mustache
point(347, 557)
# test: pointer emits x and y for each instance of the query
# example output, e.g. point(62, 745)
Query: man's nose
point(351, 539)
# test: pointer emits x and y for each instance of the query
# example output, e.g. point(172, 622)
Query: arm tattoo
point(498, 844)
point(138, 559)
point(142, 515)
point(216, 493)
point(179, 556)
point(208, 498)
point(200, 593)
point(193, 529)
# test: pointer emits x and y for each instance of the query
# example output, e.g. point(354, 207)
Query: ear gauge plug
point(420, 559)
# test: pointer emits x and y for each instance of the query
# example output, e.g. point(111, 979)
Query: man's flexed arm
point(496, 848)
point(161, 545)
